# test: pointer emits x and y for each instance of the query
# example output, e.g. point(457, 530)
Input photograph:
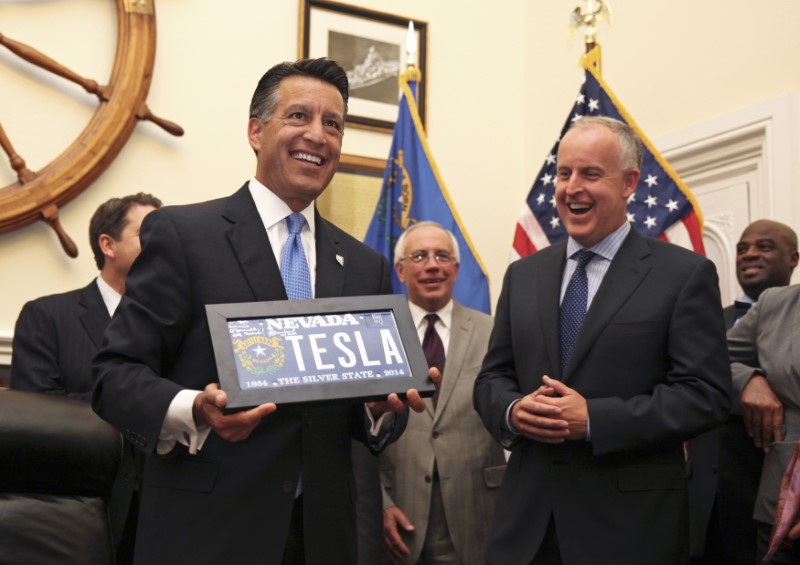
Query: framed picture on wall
point(351, 197)
point(371, 46)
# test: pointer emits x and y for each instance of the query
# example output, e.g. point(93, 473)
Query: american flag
point(661, 207)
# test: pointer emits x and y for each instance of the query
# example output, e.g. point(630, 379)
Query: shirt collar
point(418, 314)
point(607, 247)
point(111, 298)
point(272, 209)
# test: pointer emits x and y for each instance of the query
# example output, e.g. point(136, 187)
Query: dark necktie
point(740, 309)
point(294, 267)
point(573, 307)
point(433, 348)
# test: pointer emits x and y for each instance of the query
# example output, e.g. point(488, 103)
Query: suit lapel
point(250, 243)
point(94, 316)
point(626, 272)
point(332, 261)
point(795, 324)
point(461, 328)
point(547, 297)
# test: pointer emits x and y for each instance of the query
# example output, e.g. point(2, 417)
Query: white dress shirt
point(179, 421)
point(443, 324)
point(111, 298)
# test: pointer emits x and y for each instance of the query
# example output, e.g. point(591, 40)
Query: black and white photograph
point(372, 47)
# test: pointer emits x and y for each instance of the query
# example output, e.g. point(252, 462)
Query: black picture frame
point(346, 34)
point(299, 341)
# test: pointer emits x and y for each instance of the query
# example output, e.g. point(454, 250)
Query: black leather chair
point(58, 461)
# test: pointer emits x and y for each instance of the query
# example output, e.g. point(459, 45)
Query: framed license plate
point(328, 349)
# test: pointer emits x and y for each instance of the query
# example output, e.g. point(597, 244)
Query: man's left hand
point(572, 404)
point(413, 400)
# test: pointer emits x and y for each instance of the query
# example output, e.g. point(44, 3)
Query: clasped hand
point(553, 413)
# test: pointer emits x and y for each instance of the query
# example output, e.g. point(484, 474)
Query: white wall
point(502, 76)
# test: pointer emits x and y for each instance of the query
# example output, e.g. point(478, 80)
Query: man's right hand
point(207, 411)
point(393, 521)
point(762, 412)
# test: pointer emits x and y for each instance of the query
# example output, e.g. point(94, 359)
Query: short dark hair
point(266, 97)
point(110, 218)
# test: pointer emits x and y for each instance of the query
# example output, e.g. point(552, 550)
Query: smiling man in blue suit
point(608, 351)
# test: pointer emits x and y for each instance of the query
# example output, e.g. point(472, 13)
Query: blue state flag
point(413, 192)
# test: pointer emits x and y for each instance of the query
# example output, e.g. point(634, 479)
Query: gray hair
point(399, 254)
point(630, 146)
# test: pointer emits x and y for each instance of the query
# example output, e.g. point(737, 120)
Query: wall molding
point(741, 167)
point(5, 350)
point(763, 139)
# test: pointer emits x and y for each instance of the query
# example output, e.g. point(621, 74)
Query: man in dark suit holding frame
point(595, 411)
point(269, 484)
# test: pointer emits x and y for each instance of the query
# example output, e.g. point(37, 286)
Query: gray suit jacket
point(767, 338)
point(470, 463)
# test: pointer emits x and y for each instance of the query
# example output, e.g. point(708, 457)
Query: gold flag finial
point(586, 17)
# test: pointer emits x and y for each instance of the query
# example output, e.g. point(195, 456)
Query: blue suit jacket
point(652, 364)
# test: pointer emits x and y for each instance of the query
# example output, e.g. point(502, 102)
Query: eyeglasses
point(422, 256)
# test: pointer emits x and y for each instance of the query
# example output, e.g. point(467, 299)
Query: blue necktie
point(573, 306)
point(294, 267)
point(296, 278)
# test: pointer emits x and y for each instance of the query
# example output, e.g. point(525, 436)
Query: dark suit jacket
point(230, 503)
point(652, 364)
point(725, 471)
point(55, 339)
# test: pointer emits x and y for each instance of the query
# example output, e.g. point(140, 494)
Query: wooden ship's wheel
point(37, 195)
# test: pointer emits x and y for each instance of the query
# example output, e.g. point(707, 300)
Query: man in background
point(270, 484)
point(56, 337)
point(440, 479)
point(608, 351)
point(726, 465)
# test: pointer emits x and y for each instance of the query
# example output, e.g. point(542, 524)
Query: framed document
point(323, 350)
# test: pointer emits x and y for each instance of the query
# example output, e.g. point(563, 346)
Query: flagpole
point(413, 191)
point(411, 73)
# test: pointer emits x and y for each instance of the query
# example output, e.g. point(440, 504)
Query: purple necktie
point(433, 348)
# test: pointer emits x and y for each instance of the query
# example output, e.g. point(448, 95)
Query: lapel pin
point(340, 259)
